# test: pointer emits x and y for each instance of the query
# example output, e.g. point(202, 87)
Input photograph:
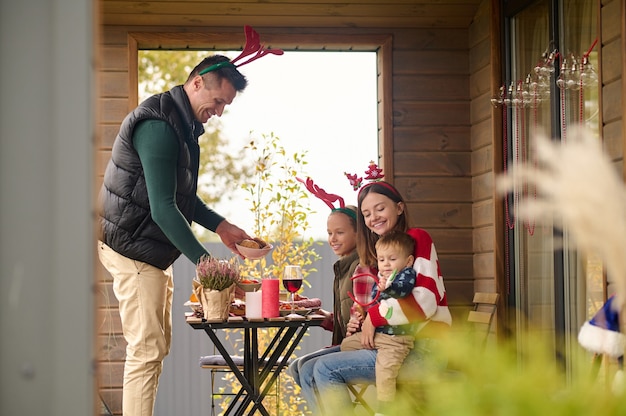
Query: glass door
point(552, 86)
point(531, 90)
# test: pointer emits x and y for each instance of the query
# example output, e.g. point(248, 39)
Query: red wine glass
point(292, 281)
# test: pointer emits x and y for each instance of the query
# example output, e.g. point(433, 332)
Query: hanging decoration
point(520, 101)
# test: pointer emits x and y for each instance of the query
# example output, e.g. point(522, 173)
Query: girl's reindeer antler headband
point(329, 199)
point(253, 46)
point(373, 174)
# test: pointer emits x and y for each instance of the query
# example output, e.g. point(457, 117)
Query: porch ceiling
point(291, 13)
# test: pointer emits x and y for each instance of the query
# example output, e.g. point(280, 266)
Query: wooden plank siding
point(440, 139)
point(436, 143)
point(485, 150)
point(300, 13)
point(613, 77)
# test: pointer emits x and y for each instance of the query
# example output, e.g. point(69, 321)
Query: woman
point(381, 209)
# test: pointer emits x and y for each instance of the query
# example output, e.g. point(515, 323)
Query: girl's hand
point(354, 324)
point(367, 334)
point(324, 312)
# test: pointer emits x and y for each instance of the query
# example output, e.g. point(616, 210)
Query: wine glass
point(292, 281)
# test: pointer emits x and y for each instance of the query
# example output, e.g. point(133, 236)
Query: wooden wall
point(613, 74)
point(432, 154)
point(440, 153)
point(612, 67)
point(433, 160)
point(486, 158)
point(440, 139)
point(486, 146)
point(431, 146)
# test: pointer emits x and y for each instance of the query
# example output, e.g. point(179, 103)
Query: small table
point(257, 369)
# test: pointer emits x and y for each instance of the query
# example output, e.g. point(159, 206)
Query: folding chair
point(216, 364)
point(481, 318)
point(358, 390)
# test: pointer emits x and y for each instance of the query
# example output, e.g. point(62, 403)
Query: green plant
point(281, 208)
point(500, 380)
point(217, 274)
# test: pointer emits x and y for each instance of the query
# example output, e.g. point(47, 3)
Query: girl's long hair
point(365, 238)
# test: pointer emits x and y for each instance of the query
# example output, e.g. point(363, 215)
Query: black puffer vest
point(126, 224)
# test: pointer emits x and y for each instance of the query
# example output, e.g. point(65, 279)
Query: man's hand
point(231, 234)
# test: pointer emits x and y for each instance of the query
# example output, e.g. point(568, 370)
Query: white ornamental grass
point(579, 190)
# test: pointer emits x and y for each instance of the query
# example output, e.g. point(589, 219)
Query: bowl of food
point(249, 285)
point(253, 249)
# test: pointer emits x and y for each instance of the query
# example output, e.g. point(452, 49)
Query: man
point(148, 201)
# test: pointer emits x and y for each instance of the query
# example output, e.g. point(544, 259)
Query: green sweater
point(157, 147)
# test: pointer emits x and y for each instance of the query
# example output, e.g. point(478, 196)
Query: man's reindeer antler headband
point(253, 46)
point(373, 174)
point(329, 199)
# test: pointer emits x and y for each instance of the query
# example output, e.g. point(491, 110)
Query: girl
point(381, 209)
point(341, 228)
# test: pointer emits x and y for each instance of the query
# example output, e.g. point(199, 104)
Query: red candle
point(269, 298)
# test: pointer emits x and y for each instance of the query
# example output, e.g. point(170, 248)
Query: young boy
point(396, 276)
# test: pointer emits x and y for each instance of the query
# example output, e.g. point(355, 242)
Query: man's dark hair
point(227, 72)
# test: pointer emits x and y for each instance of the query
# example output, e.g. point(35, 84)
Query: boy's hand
point(382, 281)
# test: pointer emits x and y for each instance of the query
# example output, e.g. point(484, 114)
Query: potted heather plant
point(215, 286)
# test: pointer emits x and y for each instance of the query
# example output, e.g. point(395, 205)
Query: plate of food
point(285, 309)
point(194, 303)
point(195, 306)
point(253, 249)
point(237, 308)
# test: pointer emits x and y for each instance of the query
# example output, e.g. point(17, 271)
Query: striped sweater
point(427, 301)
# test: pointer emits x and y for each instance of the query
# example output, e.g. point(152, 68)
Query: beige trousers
point(392, 350)
point(145, 296)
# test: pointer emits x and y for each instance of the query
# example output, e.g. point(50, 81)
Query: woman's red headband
point(374, 175)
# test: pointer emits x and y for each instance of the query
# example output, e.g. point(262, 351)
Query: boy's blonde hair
point(399, 240)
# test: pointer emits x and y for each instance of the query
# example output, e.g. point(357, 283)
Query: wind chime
point(522, 98)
